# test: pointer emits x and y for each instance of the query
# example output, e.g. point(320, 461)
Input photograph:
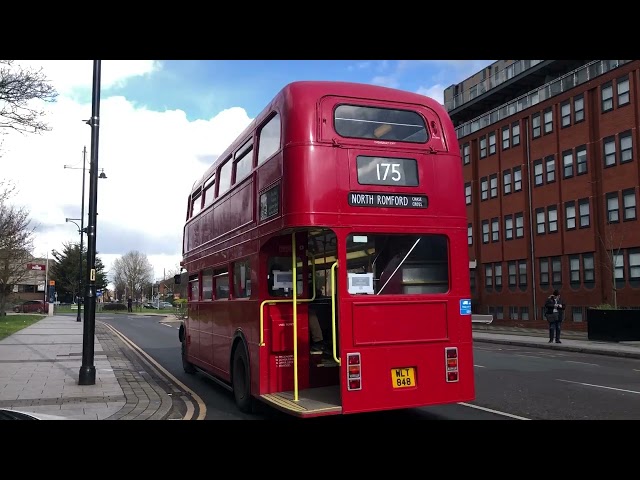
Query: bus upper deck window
point(380, 124)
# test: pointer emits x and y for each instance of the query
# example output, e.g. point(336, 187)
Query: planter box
point(613, 325)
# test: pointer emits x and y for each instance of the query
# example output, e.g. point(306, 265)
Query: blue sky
point(204, 88)
point(162, 123)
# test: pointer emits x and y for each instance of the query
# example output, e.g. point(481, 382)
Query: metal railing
point(555, 87)
point(507, 73)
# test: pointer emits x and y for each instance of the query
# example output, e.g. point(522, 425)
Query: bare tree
point(16, 244)
point(132, 272)
point(19, 86)
point(612, 246)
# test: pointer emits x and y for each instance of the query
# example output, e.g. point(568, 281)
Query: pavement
point(40, 365)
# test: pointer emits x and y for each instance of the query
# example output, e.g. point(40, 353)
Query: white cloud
point(436, 92)
point(68, 74)
point(151, 160)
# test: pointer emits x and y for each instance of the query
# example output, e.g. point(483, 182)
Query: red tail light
point(451, 363)
point(354, 373)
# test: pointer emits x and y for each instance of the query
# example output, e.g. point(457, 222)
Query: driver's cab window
point(280, 277)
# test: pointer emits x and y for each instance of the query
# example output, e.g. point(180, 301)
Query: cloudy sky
point(162, 123)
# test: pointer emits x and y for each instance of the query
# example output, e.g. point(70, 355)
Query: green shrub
point(604, 306)
point(114, 306)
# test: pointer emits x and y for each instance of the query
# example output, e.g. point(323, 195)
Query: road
point(511, 382)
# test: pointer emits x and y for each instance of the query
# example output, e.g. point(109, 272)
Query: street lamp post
point(81, 232)
point(87, 374)
point(81, 227)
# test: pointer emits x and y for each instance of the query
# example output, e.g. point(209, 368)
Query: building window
point(548, 121)
point(485, 231)
point(576, 314)
point(537, 172)
point(493, 184)
point(550, 163)
point(535, 125)
point(472, 279)
point(556, 271)
point(618, 265)
point(497, 268)
point(505, 137)
point(519, 225)
point(492, 143)
point(626, 147)
point(607, 97)
point(483, 147)
point(574, 270)
point(552, 219)
point(499, 313)
point(522, 273)
point(613, 209)
point(513, 313)
point(588, 270)
point(567, 163)
point(524, 313)
point(511, 267)
point(506, 182)
point(544, 271)
point(565, 112)
point(583, 205)
point(466, 154)
point(488, 275)
point(570, 215)
point(629, 203)
point(623, 90)
point(609, 144)
point(540, 221)
point(470, 234)
point(484, 188)
point(578, 109)
point(508, 227)
point(467, 193)
point(581, 159)
point(634, 265)
point(517, 179)
point(495, 229)
point(515, 134)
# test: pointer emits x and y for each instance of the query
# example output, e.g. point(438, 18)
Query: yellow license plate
point(403, 377)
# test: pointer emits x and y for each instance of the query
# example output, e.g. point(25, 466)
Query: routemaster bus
point(326, 256)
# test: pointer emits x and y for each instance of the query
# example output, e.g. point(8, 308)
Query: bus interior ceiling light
point(382, 130)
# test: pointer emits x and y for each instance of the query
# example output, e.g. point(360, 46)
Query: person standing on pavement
point(129, 305)
point(553, 309)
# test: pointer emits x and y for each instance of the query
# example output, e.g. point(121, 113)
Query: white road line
point(523, 355)
point(480, 366)
point(636, 370)
point(582, 363)
point(493, 411)
point(599, 386)
point(166, 325)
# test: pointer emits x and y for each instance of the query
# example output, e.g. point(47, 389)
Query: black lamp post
point(88, 370)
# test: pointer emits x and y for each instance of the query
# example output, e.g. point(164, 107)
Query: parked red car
point(32, 306)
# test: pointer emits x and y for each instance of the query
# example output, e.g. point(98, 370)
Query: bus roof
point(315, 89)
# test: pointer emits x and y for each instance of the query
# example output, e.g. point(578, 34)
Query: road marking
point(599, 386)
point(582, 363)
point(201, 404)
point(166, 325)
point(493, 411)
point(636, 370)
point(480, 366)
point(523, 355)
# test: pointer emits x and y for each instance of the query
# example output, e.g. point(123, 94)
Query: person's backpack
point(548, 306)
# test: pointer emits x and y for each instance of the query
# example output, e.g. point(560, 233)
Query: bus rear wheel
point(186, 365)
point(241, 380)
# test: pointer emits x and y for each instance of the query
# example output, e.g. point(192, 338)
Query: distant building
point(32, 286)
point(550, 159)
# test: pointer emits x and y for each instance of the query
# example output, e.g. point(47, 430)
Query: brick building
point(550, 160)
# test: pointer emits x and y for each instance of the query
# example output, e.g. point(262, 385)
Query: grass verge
point(10, 324)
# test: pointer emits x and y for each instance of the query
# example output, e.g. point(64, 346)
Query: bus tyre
point(241, 381)
point(186, 365)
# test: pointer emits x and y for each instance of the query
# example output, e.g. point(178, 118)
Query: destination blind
point(370, 199)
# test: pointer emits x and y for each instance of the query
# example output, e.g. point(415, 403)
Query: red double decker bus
point(326, 254)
